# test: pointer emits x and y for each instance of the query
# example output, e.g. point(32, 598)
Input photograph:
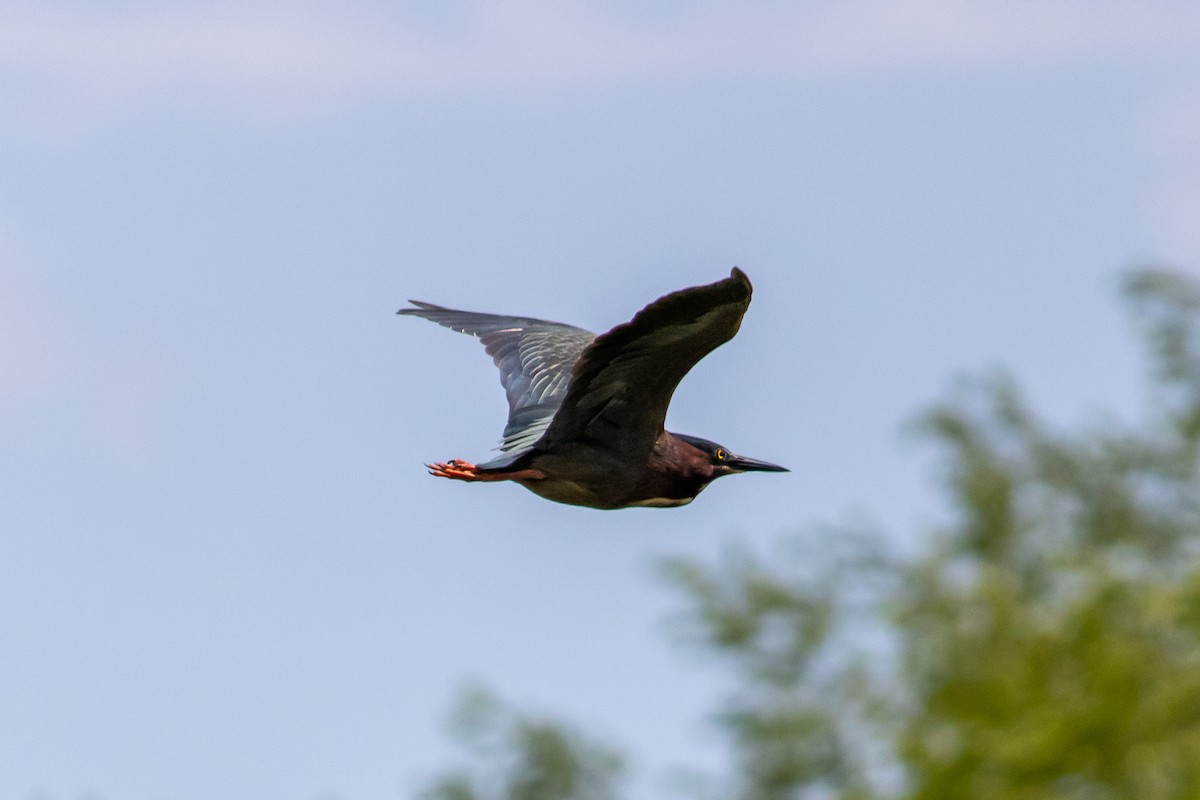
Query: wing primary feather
point(534, 357)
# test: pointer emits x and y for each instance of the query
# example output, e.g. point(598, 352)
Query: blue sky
point(223, 569)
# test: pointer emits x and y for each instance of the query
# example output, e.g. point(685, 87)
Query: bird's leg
point(466, 471)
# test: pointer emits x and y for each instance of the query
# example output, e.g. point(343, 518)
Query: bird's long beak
point(743, 464)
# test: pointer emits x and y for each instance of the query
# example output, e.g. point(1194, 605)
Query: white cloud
point(271, 50)
point(886, 34)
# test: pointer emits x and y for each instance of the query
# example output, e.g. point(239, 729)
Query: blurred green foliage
point(1044, 643)
point(521, 757)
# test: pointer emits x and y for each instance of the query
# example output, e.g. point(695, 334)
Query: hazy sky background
point(224, 572)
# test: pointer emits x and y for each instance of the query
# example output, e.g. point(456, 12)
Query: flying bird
point(586, 413)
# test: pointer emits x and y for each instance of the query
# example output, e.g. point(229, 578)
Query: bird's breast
point(662, 502)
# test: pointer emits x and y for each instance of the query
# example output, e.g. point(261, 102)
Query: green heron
point(586, 413)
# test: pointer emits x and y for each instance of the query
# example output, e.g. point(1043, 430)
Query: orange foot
point(466, 471)
point(459, 470)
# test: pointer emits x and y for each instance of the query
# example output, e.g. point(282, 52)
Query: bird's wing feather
point(623, 382)
point(535, 357)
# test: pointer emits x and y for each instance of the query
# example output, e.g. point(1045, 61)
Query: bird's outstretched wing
point(623, 382)
point(535, 358)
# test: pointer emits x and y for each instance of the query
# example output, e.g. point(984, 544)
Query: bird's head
point(723, 461)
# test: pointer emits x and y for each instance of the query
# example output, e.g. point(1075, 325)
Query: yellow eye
point(720, 455)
